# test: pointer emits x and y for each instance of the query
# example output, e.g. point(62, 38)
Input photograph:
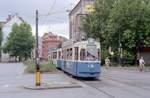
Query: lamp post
point(120, 48)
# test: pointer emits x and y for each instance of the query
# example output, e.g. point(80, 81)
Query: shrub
point(44, 67)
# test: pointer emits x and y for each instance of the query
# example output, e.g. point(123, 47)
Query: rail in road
point(97, 88)
point(134, 85)
point(123, 84)
point(89, 84)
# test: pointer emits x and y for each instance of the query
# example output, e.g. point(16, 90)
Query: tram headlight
point(91, 66)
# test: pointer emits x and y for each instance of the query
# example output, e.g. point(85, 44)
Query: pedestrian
point(107, 62)
point(141, 63)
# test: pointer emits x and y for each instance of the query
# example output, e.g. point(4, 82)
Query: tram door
point(76, 58)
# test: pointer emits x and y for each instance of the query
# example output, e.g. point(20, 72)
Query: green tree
point(1, 34)
point(20, 41)
point(95, 24)
point(1, 37)
point(129, 18)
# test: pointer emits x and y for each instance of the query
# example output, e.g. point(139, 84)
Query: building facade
point(50, 40)
point(145, 52)
point(7, 27)
point(75, 32)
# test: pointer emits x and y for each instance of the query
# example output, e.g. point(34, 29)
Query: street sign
point(89, 8)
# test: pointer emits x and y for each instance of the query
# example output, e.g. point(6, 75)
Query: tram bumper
point(89, 70)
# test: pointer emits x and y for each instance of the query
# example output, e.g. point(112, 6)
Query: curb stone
point(45, 86)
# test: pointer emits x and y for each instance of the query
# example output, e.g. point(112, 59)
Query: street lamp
point(120, 48)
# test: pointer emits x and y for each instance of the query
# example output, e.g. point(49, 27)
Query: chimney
point(9, 17)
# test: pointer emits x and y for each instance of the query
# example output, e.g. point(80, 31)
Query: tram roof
point(69, 43)
point(53, 48)
point(84, 42)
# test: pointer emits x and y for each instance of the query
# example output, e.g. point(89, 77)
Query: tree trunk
point(137, 56)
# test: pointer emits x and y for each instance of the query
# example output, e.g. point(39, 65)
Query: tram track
point(96, 84)
point(90, 84)
point(133, 85)
point(95, 87)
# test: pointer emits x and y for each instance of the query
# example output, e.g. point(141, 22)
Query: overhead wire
point(51, 8)
point(43, 17)
point(53, 13)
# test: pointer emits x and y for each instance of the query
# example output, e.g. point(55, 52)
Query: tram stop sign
point(38, 60)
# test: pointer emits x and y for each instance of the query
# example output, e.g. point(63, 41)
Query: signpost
point(89, 8)
point(37, 59)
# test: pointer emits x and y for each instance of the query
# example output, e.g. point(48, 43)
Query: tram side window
point(76, 53)
point(54, 55)
point(67, 54)
point(70, 54)
point(62, 54)
point(82, 54)
point(59, 55)
point(98, 54)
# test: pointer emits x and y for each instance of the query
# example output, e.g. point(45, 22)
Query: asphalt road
point(123, 83)
point(113, 83)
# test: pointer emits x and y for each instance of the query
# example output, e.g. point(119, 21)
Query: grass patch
point(73, 82)
point(44, 67)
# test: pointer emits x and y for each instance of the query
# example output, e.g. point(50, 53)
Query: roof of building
point(75, 7)
point(53, 48)
point(10, 17)
point(49, 35)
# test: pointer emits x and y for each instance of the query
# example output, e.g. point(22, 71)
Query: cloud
point(56, 23)
point(61, 29)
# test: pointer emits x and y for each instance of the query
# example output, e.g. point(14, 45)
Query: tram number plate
point(91, 71)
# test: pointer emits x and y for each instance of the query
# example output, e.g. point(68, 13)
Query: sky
point(57, 22)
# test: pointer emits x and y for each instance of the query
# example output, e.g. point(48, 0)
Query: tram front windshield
point(91, 53)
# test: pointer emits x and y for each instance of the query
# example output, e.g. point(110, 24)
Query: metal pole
point(119, 49)
point(36, 54)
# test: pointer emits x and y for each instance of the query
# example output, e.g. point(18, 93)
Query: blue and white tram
point(52, 55)
point(59, 58)
point(81, 59)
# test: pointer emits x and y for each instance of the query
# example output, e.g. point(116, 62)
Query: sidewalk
point(127, 68)
point(130, 68)
point(54, 84)
point(13, 82)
